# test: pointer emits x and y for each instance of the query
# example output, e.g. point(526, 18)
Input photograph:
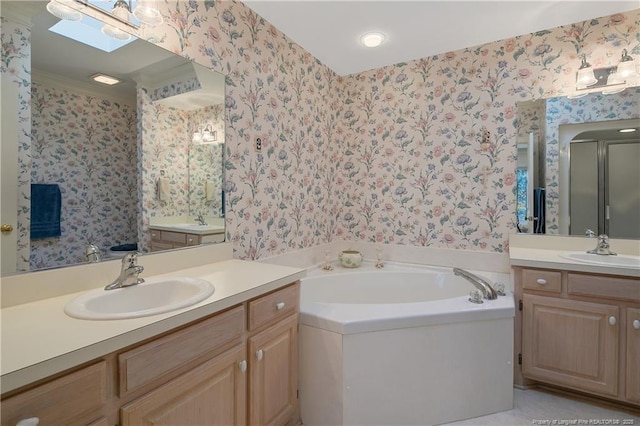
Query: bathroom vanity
point(175, 232)
point(577, 325)
point(231, 359)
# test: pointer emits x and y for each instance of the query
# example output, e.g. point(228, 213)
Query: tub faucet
point(128, 273)
point(200, 220)
point(602, 248)
point(480, 283)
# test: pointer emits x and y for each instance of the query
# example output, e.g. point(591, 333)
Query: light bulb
point(372, 39)
point(63, 11)
point(585, 74)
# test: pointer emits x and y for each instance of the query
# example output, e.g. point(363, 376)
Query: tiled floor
point(534, 407)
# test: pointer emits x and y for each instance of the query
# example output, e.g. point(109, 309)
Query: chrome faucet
point(200, 220)
point(128, 273)
point(93, 253)
point(589, 233)
point(480, 283)
point(602, 248)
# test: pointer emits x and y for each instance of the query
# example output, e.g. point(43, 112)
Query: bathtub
point(402, 345)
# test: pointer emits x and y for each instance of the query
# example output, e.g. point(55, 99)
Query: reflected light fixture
point(63, 11)
point(121, 9)
point(373, 39)
point(146, 13)
point(208, 135)
point(629, 130)
point(105, 79)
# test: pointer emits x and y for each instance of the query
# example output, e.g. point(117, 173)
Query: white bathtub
point(402, 345)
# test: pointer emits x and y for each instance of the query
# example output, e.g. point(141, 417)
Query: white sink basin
point(154, 296)
point(596, 259)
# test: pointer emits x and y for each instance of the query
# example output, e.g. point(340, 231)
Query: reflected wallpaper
point(421, 153)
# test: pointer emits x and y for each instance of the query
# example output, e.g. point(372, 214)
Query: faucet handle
point(129, 259)
point(589, 233)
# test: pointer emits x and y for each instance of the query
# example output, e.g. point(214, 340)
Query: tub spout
point(480, 283)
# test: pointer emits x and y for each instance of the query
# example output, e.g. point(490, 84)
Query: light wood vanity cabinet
point(165, 240)
point(577, 332)
point(234, 367)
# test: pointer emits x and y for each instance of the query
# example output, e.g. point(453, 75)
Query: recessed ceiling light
point(105, 79)
point(373, 39)
point(627, 130)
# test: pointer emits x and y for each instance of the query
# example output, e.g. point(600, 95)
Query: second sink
point(154, 296)
point(595, 259)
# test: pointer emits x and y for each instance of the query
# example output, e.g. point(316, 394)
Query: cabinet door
point(571, 343)
point(213, 393)
point(633, 355)
point(273, 373)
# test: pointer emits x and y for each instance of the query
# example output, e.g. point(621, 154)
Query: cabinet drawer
point(174, 237)
point(76, 398)
point(610, 287)
point(168, 354)
point(542, 280)
point(274, 305)
point(156, 235)
point(192, 239)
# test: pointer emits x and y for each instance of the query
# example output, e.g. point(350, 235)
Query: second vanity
point(577, 324)
point(175, 232)
point(231, 359)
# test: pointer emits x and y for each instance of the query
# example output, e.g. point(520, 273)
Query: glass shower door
point(622, 197)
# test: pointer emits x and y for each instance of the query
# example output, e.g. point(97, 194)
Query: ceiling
point(331, 30)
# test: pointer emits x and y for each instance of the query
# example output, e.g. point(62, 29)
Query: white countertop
point(39, 339)
point(190, 228)
point(549, 258)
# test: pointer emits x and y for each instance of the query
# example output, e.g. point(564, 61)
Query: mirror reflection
point(577, 167)
point(117, 167)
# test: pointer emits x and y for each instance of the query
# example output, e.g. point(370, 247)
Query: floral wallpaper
point(87, 145)
point(589, 109)
point(398, 154)
point(419, 153)
point(205, 164)
point(163, 153)
point(16, 66)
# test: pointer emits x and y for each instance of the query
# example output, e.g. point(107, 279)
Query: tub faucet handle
point(475, 296)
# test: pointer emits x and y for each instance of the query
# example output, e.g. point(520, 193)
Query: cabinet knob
point(541, 281)
point(31, 421)
point(259, 354)
point(6, 228)
point(243, 365)
point(612, 320)
point(190, 240)
point(280, 306)
point(636, 324)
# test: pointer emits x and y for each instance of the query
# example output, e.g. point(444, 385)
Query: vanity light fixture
point(208, 135)
point(373, 39)
point(105, 79)
point(626, 66)
point(608, 80)
point(62, 11)
point(585, 74)
point(144, 11)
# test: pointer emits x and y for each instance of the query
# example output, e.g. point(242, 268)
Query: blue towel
point(46, 201)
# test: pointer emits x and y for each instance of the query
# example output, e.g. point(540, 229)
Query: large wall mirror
point(578, 165)
point(130, 163)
